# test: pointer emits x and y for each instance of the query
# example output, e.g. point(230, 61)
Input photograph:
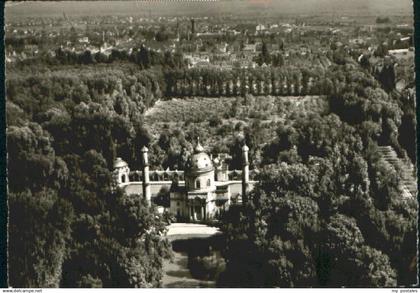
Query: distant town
point(204, 42)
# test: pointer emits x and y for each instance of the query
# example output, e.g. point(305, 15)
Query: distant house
point(357, 41)
point(222, 47)
point(250, 48)
point(84, 40)
point(235, 47)
point(233, 32)
point(304, 50)
point(243, 57)
point(31, 48)
point(252, 65)
point(196, 60)
point(246, 64)
point(202, 64)
point(401, 53)
point(403, 42)
point(260, 27)
point(209, 34)
point(226, 65)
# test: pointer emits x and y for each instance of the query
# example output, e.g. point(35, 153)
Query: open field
point(222, 119)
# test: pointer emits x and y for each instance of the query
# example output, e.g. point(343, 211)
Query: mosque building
point(205, 189)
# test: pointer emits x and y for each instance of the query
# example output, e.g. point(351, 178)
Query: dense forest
point(327, 211)
point(68, 226)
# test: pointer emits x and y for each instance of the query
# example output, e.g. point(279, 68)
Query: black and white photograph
point(211, 144)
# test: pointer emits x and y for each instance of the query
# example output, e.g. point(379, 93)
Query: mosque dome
point(199, 161)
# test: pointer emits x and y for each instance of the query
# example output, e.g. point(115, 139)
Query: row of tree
point(280, 81)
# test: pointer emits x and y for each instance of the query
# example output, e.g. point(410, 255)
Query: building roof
point(119, 163)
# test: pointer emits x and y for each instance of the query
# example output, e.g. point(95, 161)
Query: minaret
point(146, 182)
point(245, 173)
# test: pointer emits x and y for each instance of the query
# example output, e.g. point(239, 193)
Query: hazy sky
point(370, 7)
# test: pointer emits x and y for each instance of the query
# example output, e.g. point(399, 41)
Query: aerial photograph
point(211, 144)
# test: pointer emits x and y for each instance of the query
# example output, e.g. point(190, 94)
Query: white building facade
point(204, 190)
